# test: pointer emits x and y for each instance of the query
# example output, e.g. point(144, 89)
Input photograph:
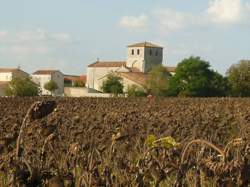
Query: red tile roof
point(137, 77)
point(75, 78)
point(10, 70)
point(145, 44)
point(45, 72)
point(108, 64)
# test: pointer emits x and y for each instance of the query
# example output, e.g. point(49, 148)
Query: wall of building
point(41, 80)
point(95, 76)
point(6, 76)
point(82, 92)
point(127, 83)
point(58, 78)
point(153, 57)
point(135, 60)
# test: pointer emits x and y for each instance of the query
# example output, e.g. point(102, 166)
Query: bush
point(22, 87)
point(135, 91)
point(113, 84)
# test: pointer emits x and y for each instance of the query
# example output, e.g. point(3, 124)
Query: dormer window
point(138, 51)
point(133, 51)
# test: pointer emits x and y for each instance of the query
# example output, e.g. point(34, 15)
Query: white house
point(7, 74)
point(41, 77)
point(141, 58)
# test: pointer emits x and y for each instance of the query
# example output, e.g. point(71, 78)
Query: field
point(125, 142)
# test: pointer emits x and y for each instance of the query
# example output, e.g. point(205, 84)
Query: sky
point(70, 34)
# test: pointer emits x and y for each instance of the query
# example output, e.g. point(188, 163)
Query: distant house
point(7, 74)
point(41, 77)
point(74, 81)
point(141, 58)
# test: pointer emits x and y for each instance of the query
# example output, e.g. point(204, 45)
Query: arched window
point(133, 51)
point(138, 51)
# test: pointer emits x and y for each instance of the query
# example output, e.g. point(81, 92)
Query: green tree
point(79, 83)
point(113, 84)
point(136, 91)
point(22, 87)
point(51, 86)
point(239, 79)
point(158, 81)
point(195, 78)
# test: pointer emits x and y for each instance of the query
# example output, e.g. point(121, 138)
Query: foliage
point(51, 86)
point(22, 87)
point(135, 91)
point(113, 84)
point(239, 78)
point(195, 78)
point(79, 83)
point(166, 142)
point(158, 81)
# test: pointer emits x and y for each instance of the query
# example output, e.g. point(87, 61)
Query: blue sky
point(69, 35)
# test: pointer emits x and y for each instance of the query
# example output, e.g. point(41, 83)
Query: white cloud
point(171, 20)
point(3, 34)
point(134, 23)
point(62, 37)
point(228, 11)
point(34, 42)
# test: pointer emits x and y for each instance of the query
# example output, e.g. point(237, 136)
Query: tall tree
point(195, 78)
point(22, 87)
point(239, 78)
point(113, 84)
point(158, 81)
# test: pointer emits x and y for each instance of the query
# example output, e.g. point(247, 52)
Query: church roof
point(137, 77)
point(145, 44)
point(107, 64)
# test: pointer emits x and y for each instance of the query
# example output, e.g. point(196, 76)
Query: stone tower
point(144, 56)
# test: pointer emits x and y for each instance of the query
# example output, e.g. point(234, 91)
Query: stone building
point(141, 58)
point(7, 74)
point(41, 77)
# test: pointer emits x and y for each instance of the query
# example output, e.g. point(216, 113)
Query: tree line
point(193, 78)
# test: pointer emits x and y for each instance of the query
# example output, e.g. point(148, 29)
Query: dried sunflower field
point(124, 142)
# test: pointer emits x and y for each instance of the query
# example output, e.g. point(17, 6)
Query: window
point(133, 52)
point(150, 52)
point(156, 53)
point(138, 51)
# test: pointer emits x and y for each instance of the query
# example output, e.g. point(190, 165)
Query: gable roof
point(137, 77)
point(145, 44)
point(108, 64)
point(11, 70)
point(45, 72)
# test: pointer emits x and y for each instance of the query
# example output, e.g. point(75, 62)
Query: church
point(141, 58)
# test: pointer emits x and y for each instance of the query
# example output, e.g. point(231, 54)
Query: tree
point(79, 83)
point(22, 87)
point(239, 79)
point(158, 81)
point(195, 78)
point(113, 84)
point(135, 91)
point(51, 86)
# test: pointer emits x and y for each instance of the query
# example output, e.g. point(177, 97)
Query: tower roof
point(145, 44)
